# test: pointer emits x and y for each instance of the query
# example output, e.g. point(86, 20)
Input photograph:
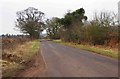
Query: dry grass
point(16, 58)
point(10, 68)
point(12, 43)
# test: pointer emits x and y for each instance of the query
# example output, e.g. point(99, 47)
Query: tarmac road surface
point(66, 61)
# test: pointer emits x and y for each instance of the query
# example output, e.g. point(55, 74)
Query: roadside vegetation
point(74, 28)
point(110, 52)
point(16, 53)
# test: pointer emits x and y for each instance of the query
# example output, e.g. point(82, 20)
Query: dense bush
point(102, 30)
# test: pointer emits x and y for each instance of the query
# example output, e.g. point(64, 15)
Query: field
point(16, 53)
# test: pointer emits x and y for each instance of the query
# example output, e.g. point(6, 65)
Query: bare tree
point(30, 21)
point(106, 18)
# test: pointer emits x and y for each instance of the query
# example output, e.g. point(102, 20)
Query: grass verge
point(99, 50)
point(32, 49)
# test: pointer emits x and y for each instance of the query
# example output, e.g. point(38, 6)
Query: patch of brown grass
point(15, 57)
point(12, 60)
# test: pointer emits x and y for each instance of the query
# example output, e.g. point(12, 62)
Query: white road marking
point(43, 58)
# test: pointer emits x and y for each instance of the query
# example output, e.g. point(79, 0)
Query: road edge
point(43, 57)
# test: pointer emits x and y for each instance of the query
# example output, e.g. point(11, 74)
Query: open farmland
point(16, 53)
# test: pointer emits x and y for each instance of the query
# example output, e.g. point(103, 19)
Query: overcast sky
point(52, 8)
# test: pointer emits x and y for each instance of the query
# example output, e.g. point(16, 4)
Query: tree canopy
point(30, 21)
point(102, 30)
point(53, 28)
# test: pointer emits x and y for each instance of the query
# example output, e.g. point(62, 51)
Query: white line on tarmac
point(43, 58)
